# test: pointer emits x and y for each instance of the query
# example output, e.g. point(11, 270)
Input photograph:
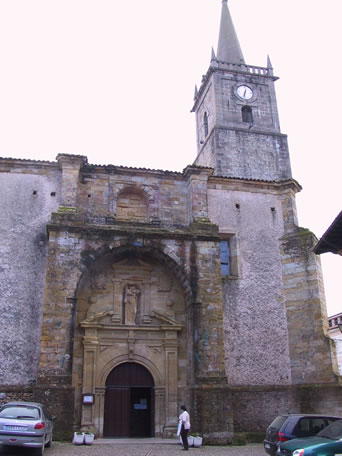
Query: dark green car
point(326, 443)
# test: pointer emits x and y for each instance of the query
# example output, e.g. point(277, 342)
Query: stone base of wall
point(59, 400)
point(221, 414)
point(10, 393)
point(255, 407)
point(212, 414)
point(324, 399)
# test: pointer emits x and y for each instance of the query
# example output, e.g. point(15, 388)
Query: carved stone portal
point(124, 315)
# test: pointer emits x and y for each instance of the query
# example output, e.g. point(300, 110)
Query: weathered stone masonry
point(107, 267)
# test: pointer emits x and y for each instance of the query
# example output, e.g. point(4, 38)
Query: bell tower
point(238, 132)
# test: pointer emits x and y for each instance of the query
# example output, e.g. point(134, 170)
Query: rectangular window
point(225, 257)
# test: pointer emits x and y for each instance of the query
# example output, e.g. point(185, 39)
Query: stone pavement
point(138, 448)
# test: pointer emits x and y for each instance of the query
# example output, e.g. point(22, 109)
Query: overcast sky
point(114, 80)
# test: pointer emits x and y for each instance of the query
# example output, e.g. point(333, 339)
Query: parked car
point(26, 424)
point(288, 427)
point(327, 442)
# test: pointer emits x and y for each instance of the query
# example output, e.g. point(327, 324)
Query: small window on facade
point(206, 125)
point(225, 257)
point(247, 114)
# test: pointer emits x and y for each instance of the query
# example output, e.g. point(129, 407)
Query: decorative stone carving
point(98, 316)
point(166, 319)
point(131, 298)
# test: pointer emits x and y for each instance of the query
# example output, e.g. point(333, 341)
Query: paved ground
point(138, 449)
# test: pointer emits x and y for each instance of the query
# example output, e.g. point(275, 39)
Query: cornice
point(236, 183)
point(111, 228)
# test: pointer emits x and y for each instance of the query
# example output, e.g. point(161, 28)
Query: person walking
point(184, 420)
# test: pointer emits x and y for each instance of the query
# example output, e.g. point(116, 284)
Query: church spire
point(228, 49)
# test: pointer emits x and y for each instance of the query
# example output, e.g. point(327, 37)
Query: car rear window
point(331, 420)
point(308, 426)
point(278, 422)
point(333, 431)
point(20, 412)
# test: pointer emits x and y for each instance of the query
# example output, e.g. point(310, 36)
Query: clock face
point(245, 92)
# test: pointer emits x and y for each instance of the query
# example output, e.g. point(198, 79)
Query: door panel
point(140, 412)
point(116, 415)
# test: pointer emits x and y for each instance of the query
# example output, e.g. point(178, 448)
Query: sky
point(114, 80)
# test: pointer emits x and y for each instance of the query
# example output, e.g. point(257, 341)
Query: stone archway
point(130, 308)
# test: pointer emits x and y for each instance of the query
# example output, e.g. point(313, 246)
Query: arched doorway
point(129, 402)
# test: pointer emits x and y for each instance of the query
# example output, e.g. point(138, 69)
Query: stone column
point(146, 303)
point(71, 165)
point(99, 408)
point(171, 373)
point(159, 419)
point(90, 342)
point(117, 302)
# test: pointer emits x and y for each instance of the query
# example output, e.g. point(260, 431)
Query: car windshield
point(20, 412)
point(333, 431)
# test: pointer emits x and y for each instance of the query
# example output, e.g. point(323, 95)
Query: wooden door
point(116, 422)
point(129, 402)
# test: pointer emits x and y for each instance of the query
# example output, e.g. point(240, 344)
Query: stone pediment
point(97, 318)
point(102, 318)
point(166, 320)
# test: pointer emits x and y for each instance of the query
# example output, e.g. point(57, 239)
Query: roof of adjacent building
point(331, 241)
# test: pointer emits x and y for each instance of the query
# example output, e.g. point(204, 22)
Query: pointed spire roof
point(228, 49)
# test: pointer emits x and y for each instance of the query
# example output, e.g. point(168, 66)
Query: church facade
point(127, 292)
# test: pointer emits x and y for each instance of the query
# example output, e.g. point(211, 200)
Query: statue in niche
point(131, 300)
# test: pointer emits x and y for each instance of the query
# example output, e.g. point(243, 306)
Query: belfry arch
point(132, 309)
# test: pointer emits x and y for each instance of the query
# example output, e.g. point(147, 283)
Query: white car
point(26, 424)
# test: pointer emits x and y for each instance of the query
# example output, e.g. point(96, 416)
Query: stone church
point(126, 292)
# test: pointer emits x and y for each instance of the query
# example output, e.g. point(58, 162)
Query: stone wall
point(246, 154)
point(29, 193)
point(256, 333)
point(57, 399)
point(256, 407)
point(10, 393)
point(164, 193)
point(309, 343)
point(244, 328)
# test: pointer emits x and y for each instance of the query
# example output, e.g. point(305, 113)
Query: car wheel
point(49, 443)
